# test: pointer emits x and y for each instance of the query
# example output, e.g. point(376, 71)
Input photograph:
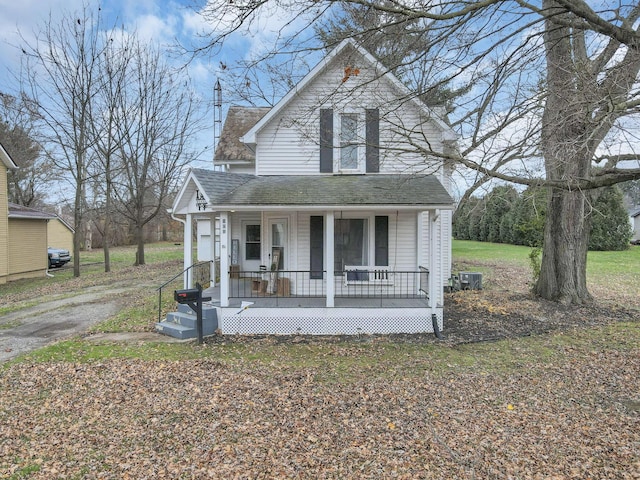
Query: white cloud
point(21, 19)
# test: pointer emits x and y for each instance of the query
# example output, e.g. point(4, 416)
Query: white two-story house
point(333, 207)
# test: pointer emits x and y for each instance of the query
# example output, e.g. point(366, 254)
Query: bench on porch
point(367, 275)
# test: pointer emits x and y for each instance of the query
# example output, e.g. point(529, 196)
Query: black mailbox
point(185, 296)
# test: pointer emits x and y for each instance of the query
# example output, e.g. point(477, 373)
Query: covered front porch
point(328, 255)
point(253, 307)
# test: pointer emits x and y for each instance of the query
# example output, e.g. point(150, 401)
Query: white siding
point(237, 220)
point(250, 169)
point(445, 246)
point(402, 242)
point(442, 228)
point(289, 143)
point(636, 227)
point(303, 260)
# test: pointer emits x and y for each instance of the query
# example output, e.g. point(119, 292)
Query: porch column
point(420, 256)
point(188, 250)
point(225, 252)
point(329, 260)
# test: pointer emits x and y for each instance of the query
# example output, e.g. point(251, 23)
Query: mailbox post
point(193, 298)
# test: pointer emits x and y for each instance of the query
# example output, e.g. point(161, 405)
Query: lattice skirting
point(327, 321)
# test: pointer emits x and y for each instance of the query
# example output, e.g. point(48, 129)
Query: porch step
point(182, 324)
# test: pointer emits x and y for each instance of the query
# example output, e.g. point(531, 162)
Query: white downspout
point(434, 271)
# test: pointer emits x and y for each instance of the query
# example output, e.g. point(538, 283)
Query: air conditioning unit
point(470, 280)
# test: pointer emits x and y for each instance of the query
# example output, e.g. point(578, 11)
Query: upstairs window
point(344, 144)
point(349, 141)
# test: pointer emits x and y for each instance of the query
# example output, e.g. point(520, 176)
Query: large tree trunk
point(567, 157)
point(563, 273)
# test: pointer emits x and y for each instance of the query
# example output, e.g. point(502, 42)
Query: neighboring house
point(60, 234)
point(6, 162)
point(328, 222)
point(634, 219)
point(25, 233)
point(28, 242)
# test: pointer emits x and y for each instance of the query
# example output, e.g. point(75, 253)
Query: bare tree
point(27, 184)
point(118, 56)
point(546, 93)
point(61, 76)
point(157, 117)
point(116, 118)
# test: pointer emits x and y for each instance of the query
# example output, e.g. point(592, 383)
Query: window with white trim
point(349, 141)
point(354, 146)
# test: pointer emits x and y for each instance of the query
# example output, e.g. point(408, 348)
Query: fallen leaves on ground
point(206, 419)
point(576, 417)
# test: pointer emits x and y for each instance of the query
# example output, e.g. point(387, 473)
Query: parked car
point(58, 257)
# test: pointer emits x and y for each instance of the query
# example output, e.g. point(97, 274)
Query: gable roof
point(230, 190)
point(6, 158)
point(20, 211)
point(237, 122)
point(344, 46)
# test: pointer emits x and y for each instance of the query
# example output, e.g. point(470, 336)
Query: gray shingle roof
point(20, 211)
point(338, 190)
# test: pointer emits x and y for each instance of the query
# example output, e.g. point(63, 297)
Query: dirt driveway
point(34, 327)
point(71, 308)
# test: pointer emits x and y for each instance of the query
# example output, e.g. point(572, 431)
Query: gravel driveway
point(34, 327)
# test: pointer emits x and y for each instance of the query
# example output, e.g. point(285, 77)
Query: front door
point(278, 236)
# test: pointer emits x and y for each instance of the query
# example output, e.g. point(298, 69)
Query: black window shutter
point(372, 151)
point(317, 246)
point(326, 140)
point(382, 241)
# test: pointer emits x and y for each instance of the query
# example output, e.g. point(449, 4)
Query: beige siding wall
point(4, 225)
point(27, 248)
point(59, 236)
point(289, 144)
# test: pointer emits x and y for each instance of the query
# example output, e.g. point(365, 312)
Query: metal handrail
point(393, 284)
point(171, 280)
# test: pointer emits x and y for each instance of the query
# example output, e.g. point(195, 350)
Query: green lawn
point(92, 266)
point(625, 263)
point(605, 269)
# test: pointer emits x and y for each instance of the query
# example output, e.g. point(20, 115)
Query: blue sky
point(161, 21)
point(166, 22)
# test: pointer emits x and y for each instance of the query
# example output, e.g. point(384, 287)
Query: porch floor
point(276, 301)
